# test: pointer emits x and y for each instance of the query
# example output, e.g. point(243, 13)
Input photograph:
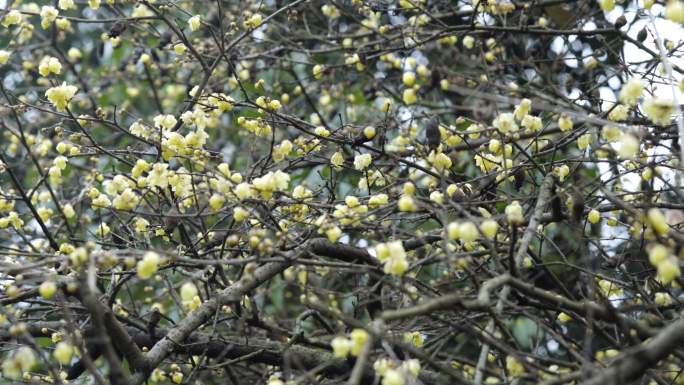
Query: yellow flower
point(610, 133)
point(274, 105)
point(341, 346)
point(68, 211)
point(489, 228)
point(453, 230)
point(65, 24)
point(140, 225)
point(369, 132)
point(657, 220)
point(505, 122)
point(318, 71)
point(468, 42)
point(394, 376)
point(173, 144)
point(532, 123)
point(102, 230)
point(380, 366)
point(409, 96)
point(514, 367)
point(659, 110)
point(629, 146)
point(384, 250)
point(159, 176)
point(631, 91)
point(243, 191)
point(565, 123)
point(22, 361)
point(594, 216)
point(66, 4)
point(337, 160)
point(127, 200)
point(322, 131)
point(188, 291)
point(62, 147)
point(330, 11)
point(270, 182)
point(415, 338)
point(44, 213)
point(63, 352)
point(4, 56)
point(619, 113)
point(437, 197)
point(409, 78)
point(48, 14)
point(662, 299)
point(138, 129)
point(94, 4)
point(412, 366)
point(378, 200)
point(240, 214)
point(148, 265)
point(165, 121)
point(562, 171)
point(606, 5)
point(59, 96)
point(440, 161)
point(351, 201)
point(177, 377)
point(179, 48)
point(101, 201)
point(406, 204)
point(333, 234)
point(584, 141)
point(66, 248)
point(522, 109)
point(675, 11)
point(396, 266)
point(194, 23)
point(668, 270)
point(140, 166)
point(254, 21)
point(216, 201)
point(468, 232)
point(563, 317)
point(12, 17)
point(393, 256)
point(47, 289)
point(60, 162)
point(13, 219)
point(514, 213)
point(358, 339)
point(657, 254)
point(362, 161)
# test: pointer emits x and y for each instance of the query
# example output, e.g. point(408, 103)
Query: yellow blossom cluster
point(61, 95)
point(393, 257)
point(351, 212)
point(667, 265)
point(271, 182)
point(352, 345)
point(393, 373)
point(258, 127)
point(19, 363)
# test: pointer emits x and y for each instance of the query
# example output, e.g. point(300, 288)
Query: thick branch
point(634, 363)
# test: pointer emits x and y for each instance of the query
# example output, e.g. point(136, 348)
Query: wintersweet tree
point(321, 192)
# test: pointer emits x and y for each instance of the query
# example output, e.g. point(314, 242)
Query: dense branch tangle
point(324, 192)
